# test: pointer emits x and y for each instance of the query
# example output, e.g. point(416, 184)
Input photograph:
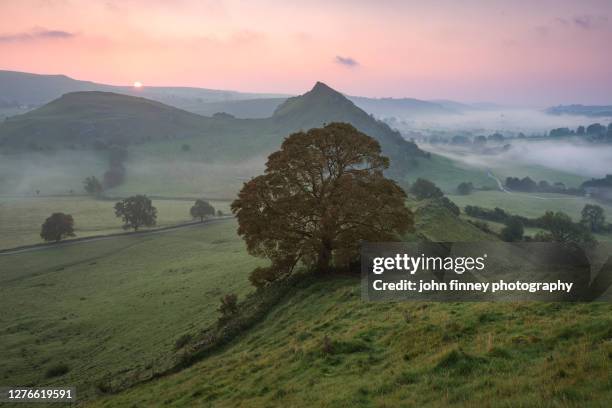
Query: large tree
point(136, 211)
point(202, 209)
point(321, 194)
point(593, 217)
point(57, 227)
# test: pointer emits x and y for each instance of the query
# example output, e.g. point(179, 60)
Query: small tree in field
point(465, 188)
point(423, 189)
point(57, 227)
point(202, 209)
point(593, 217)
point(321, 194)
point(93, 186)
point(136, 211)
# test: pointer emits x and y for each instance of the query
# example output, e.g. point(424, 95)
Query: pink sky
point(513, 51)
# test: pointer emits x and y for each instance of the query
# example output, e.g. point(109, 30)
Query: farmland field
point(21, 217)
point(528, 204)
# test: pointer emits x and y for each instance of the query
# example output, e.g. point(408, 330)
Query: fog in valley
point(587, 160)
point(510, 120)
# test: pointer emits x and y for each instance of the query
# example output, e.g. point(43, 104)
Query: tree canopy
point(465, 188)
point(93, 186)
point(136, 211)
point(562, 229)
point(423, 189)
point(593, 217)
point(202, 209)
point(513, 230)
point(57, 227)
point(321, 194)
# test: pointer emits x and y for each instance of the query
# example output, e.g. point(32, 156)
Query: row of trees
point(135, 212)
point(526, 184)
point(559, 226)
point(594, 131)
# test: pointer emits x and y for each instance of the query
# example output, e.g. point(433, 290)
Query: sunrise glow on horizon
point(499, 51)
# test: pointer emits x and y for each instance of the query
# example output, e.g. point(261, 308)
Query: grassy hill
point(325, 347)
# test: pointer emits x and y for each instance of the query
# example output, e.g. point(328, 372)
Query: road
point(78, 241)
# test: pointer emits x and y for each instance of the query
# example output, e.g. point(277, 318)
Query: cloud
point(346, 61)
point(589, 22)
point(36, 34)
point(584, 21)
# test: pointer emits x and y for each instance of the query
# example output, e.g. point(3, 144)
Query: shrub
point(182, 341)
point(228, 307)
point(261, 276)
point(57, 370)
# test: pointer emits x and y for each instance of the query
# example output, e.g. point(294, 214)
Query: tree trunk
point(324, 259)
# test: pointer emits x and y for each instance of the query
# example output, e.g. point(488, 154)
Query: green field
point(114, 308)
point(21, 217)
point(400, 354)
point(530, 204)
point(111, 311)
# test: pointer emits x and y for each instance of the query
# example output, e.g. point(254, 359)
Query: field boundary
point(48, 245)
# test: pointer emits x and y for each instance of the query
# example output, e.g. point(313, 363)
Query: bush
point(57, 370)
point(465, 188)
point(228, 307)
point(513, 231)
point(262, 276)
point(182, 341)
point(423, 189)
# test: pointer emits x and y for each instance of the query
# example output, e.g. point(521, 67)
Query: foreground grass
point(326, 347)
point(21, 217)
point(112, 310)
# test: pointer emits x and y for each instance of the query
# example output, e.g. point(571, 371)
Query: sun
point(137, 84)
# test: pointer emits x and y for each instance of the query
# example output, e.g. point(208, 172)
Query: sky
point(522, 52)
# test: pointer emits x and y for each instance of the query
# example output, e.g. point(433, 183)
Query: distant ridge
point(27, 89)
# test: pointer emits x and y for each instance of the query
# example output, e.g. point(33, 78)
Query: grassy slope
point(113, 307)
point(21, 217)
point(400, 354)
point(448, 174)
point(434, 223)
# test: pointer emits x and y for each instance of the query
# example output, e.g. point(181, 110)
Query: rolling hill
point(82, 120)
